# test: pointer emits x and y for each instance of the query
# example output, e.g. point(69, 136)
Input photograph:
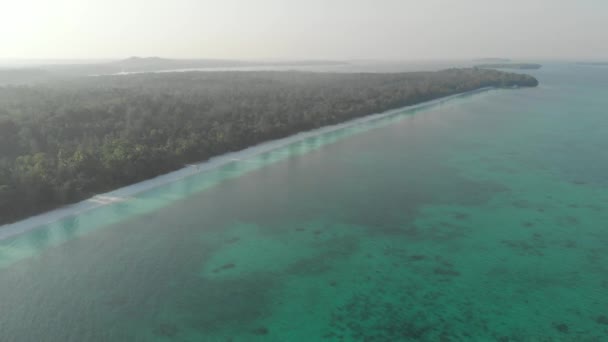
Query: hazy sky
point(322, 29)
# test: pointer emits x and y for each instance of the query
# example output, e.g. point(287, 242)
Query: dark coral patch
point(364, 318)
point(533, 247)
point(261, 331)
point(444, 262)
point(220, 304)
point(569, 244)
point(224, 267)
point(522, 204)
point(233, 240)
point(568, 221)
point(446, 272)
point(461, 216)
point(602, 320)
point(166, 330)
point(561, 327)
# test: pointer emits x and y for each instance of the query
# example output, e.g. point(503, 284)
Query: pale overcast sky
point(288, 29)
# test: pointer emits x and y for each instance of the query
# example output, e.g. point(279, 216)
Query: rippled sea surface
point(481, 218)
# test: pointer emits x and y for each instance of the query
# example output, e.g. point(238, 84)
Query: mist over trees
point(55, 72)
point(64, 141)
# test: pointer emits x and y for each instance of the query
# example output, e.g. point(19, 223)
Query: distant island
point(152, 64)
point(593, 63)
point(492, 60)
point(67, 140)
point(516, 66)
point(53, 72)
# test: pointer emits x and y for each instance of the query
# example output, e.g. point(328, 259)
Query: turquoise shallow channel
point(480, 218)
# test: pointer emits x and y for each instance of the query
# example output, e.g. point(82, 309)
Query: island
point(492, 60)
point(593, 63)
point(66, 140)
point(516, 66)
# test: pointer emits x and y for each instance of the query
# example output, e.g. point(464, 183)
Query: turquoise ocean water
point(480, 218)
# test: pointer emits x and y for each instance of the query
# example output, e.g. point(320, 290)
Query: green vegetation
point(64, 141)
point(517, 66)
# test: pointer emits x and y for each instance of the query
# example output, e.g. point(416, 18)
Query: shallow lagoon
point(480, 218)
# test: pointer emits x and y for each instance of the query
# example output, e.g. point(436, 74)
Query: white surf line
point(129, 192)
point(101, 199)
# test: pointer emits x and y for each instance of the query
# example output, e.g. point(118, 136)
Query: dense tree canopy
point(63, 141)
